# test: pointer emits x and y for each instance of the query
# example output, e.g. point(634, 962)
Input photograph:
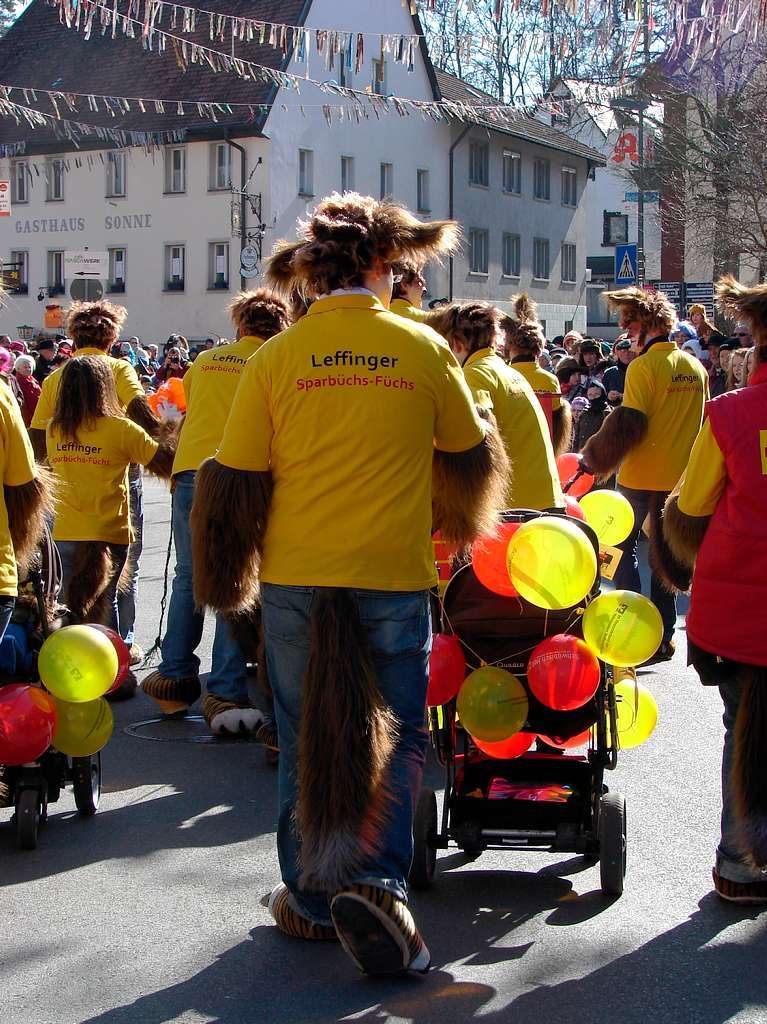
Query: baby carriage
point(29, 788)
point(549, 798)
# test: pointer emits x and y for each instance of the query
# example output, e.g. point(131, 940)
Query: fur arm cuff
point(141, 413)
point(562, 421)
point(684, 534)
point(29, 505)
point(162, 463)
point(228, 523)
point(469, 488)
point(621, 431)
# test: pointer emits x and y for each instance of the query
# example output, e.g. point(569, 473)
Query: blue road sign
point(625, 264)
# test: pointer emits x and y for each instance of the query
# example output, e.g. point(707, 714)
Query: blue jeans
point(126, 599)
point(398, 628)
point(627, 576)
point(227, 679)
point(68, 550)
point(6, 611)
point(729, 863)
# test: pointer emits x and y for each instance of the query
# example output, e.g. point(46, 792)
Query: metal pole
point(243, 199)
point(640, 203)
point(451, 201)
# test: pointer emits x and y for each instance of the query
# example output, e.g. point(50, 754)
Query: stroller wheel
point(424, 840)
point(612, 843)
point(27, 818)
point(86, 783)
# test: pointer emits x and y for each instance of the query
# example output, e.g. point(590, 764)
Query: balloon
point(552, 562)
point(121, 650)
point(568, 467)
point(492, 704)
point(573, 508)
point(563, 673)
point(447, 669)
point(610, 515)
point(488, 559)
point(77, 663)
point(84, 728)
point(27, 721)
point(622, 628)
point(574, 741)
point(637, 713)
point(514, 746)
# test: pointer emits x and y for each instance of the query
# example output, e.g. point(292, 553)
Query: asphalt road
point(149, 912)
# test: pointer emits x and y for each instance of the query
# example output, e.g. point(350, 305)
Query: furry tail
point(91, 572)
point(562, 421)
point(29, 505)
point(347, 738)
point(675, 575)
point(682, 533)
point(749, 773)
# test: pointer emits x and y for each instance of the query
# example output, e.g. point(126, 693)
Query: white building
point(164, 214)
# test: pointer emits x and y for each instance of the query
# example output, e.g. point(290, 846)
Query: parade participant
point(524, 343)
point(351, 435)
point(210, 387)
point(648, 438)
point(23, 370)
point(409, 286)
point(719, 513)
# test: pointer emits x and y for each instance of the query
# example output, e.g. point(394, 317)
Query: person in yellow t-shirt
point(524, 342)
point(210, 386)
point(471, 330)
point(648, 439)
point(90, 445)
point(351, 434)
point(409, 286)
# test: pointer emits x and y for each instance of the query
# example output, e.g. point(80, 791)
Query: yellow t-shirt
point(93, 499)
point(522, 424)
point(403, 308)
point(670, 387)
point(705, 478)
point(17, 467)
point(210, 384)
point(126, 384)
point(345, 408)
point(540, 380)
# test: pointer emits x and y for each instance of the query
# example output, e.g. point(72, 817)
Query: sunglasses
point(742, 334)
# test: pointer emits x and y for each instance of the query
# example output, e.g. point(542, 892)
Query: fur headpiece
point(524, 330)
point(749, 304)
point(261, 313)
point(95, 323)
point(649, 308)
point(345, 235)
point(473, 323)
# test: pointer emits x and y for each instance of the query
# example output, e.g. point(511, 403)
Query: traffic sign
point(249, 257)
point(649, 197)
point(82, 263)
point(5, 198)
point(625, 264)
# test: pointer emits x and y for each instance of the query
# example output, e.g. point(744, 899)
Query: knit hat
point(686, 328)
point(580, 404)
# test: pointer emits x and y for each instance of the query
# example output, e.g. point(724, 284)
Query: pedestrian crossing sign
point(625, 264)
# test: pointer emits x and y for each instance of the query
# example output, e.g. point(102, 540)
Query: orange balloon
point(488, 560)
point(514, 746)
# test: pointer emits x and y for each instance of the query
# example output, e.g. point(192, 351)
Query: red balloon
point(121, 650)
point(512, 747)
point(575, 741)
point(563, 672)
point(568, 467)
point(573, 508)
point(27, 723)
point(488, 559)
point(447, 669)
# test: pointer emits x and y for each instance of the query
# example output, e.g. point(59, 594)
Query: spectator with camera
point(172, 366)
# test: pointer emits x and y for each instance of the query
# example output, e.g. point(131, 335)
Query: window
point(569, 262)
point(478, 249)
point(56, 282)
point(387, 181)
point(511, 255)
point(218, 265)
point(512, 172)
point(115, 174)
point(219, 174)
point(379, 76)
point(306, 172)
point(54, 181)
point(569, 186)
point(479, 163)
point(422, 191)
point(17, 274)
point(615, 229)
point(174, 267)
point(116, 281)
point(175, 169)
point(345, 67)
point(542, 179)
point(541, 259)
point(19, 182)
point(347, 173)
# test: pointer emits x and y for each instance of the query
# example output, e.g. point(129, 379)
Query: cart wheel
point(612, 843)
point(86, 783)
point(424, 840)
point(27, 818)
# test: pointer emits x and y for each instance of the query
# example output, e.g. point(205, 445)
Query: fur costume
point(29, 506)
point(683, 534)
point(674, 573)
point(562, 422)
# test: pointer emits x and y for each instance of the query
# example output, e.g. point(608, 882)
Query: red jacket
point(729, 592)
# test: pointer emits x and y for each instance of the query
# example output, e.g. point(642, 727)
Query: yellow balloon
point(84, 728)
point(492, 704)
point(77, 663)
point(551, 562)
point(637, 713)
point(609, 514)
point(622, 628)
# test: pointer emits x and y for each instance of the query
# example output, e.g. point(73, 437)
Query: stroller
point(546, 799)
point(29, 788)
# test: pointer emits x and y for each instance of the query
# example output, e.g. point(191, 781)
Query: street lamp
point(638, 107)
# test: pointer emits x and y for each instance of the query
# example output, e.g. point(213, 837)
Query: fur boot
point(172, 695)
point(683, 534)
point(562, 422)
point(673, 574)
point(28, 506)
point(749, 773)
point(225, 718)
point(347, 738)
point(621, 431)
